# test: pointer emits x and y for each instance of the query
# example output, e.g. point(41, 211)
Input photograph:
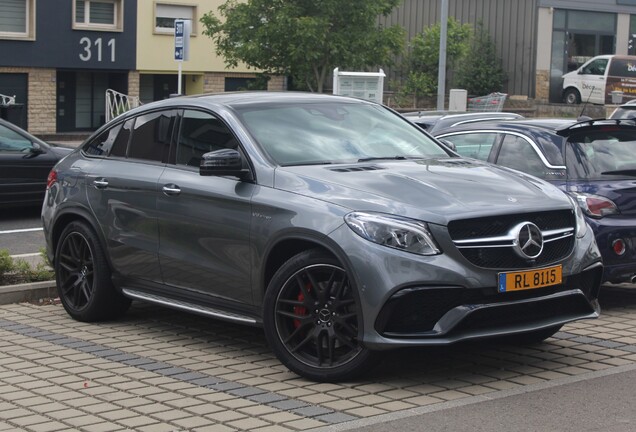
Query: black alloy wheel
point(313, 319)
point(83, 276)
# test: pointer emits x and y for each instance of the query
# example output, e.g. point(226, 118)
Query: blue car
point(593, 161)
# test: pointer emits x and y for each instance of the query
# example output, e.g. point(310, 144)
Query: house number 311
point(89, 47)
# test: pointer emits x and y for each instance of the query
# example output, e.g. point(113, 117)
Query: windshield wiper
point(629, 172)
point(307, 163)
point(387, 158)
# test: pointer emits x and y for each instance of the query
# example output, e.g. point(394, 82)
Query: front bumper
point(411, 300)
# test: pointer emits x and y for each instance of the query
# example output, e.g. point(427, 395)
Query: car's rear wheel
point(313, 320)
point(83, 276)
point(572, 96)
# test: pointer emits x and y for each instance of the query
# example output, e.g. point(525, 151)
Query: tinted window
point(121, 142)
point(101, 145)
point(200, 133)
point(623, 67)
point(477, 145)
point(151, 136)
point(602, 155)
point(517, 153)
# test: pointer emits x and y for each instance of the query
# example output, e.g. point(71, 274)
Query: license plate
point(530, 279)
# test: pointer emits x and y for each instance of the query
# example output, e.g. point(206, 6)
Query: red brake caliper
point(301, 310)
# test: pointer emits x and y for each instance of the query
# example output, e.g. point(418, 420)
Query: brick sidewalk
point(161, 370)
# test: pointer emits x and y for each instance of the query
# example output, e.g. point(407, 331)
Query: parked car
point(625, 111)
point(332, 222)
point(593, 161)
point(597, 78)
point(436, 120)
point(25, 162)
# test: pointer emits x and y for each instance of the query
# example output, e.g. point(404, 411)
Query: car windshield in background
point(315, 133)
point(602, 155)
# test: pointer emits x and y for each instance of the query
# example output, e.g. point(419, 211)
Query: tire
point(83, 276)
point(572, 96)
point(533, 337)
point(313, 320)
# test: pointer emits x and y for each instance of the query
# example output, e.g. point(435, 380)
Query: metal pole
point(179, 79)
point(441, 73)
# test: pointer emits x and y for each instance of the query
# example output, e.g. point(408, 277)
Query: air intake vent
point(357, 168)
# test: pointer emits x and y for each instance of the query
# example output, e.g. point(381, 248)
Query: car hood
point(433, 190)
point(570, 74)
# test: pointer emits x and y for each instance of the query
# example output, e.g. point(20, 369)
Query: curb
point(27, 292)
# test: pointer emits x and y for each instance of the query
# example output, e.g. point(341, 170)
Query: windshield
point(335, 132)
point(602, 155)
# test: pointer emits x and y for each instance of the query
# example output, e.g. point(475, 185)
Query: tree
point(422, 63)
point(306, 39)
point(481, 72)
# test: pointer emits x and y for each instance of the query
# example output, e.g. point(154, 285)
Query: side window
point(120, 145)
point(11, 141)
point(200, 133)
point(151, 136)
point(101, 145)
point(517, 153)
point(476, 146)
point(597, 67)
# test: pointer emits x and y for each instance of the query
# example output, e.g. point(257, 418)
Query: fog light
point(618, 246)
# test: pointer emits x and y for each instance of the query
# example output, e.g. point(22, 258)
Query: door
point(122, 191)
point(23, 168)
point(593, 76)
point(204, 222)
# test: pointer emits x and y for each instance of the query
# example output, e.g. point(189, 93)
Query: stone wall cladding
point(133, 83)
point(542, 87)
point(277, 83)
point(214, 82)
point(42, 97)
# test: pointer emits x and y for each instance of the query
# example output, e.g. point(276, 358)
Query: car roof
point(444, 119)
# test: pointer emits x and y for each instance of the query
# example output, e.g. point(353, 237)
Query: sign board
point(364, 85)
point(182, 30)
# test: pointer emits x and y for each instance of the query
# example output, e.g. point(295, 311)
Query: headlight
point(581, 223)
point(393, 231)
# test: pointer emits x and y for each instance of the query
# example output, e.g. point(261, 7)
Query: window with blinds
point(166, 14)
point(16, 19)
point(97, 14)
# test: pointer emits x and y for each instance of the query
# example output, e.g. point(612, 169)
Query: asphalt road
point(21, 230)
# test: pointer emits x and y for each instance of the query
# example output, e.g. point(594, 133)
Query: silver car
point(335, 224)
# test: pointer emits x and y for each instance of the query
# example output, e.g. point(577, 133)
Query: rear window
point(602, 155)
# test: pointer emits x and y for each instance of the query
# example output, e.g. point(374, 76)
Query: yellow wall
point(155, 52)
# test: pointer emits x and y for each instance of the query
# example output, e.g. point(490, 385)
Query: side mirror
point(224, 162)
point(449, 144)
point(35, 150)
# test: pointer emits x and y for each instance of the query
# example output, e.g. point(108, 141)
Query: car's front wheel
point(572, 96)
point(83, 276)
point(313, 320)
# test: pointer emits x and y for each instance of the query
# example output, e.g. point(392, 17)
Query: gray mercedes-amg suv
point(334, 223)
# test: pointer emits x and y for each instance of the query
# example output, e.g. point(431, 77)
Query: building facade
point(537, 40)
point(58, 58)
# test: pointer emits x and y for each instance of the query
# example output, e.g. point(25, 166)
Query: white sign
point(363, 85)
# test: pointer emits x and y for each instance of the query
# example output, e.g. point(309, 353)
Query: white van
point(595, 81)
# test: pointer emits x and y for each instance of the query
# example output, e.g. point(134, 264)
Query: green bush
point(20, 271)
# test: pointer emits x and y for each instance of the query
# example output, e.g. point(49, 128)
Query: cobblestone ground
point(160, 370)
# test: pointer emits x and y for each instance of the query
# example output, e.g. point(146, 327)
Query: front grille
point(479, 239)
point(498, 225)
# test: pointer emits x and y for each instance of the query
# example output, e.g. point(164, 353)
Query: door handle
point(171, 189)
point(101, 183)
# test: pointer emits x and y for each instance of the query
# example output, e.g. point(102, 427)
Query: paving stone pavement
point(161, 370)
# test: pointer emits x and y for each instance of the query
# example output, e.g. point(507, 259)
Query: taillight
point(596, 206)
point(51, 179)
